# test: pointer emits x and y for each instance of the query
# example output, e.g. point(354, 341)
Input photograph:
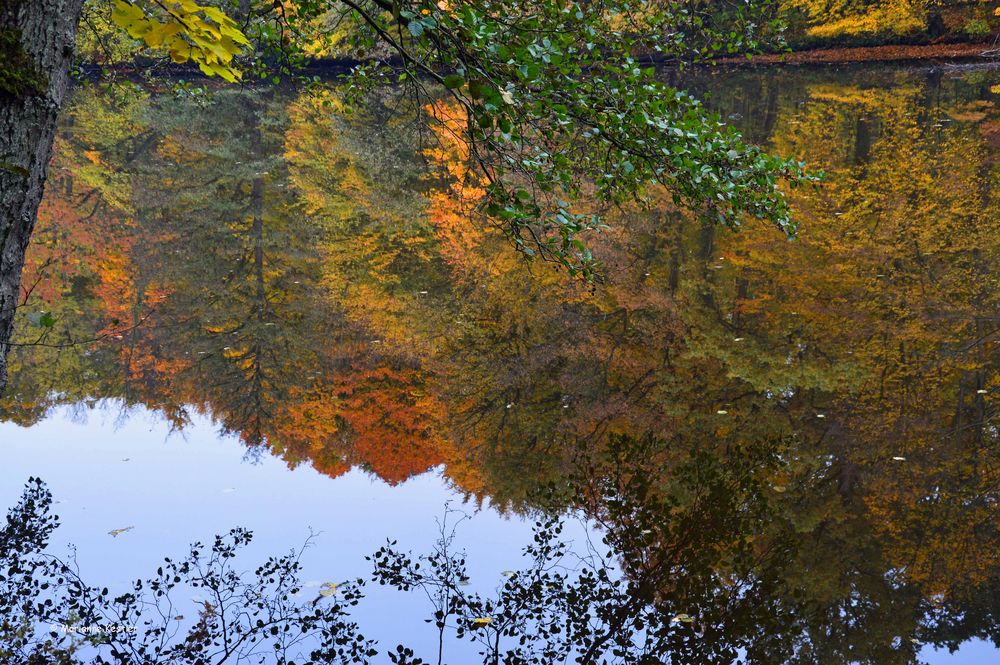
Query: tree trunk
point(37, 38)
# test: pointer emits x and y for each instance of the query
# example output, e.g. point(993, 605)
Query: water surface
point(271, 314)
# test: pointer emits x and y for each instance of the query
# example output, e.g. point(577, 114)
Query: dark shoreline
point(978, 52)
point(982, 52)
point(985, 52)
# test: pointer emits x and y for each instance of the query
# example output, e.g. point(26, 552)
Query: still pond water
point(272, 315)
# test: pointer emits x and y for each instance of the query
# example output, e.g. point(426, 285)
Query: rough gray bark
point(46, 33)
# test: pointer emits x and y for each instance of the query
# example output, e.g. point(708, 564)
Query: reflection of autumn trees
point(79, 268)
point(870, 338)
point(302, 278)
point(889, 305)
point(215, 263)
point(355, 180)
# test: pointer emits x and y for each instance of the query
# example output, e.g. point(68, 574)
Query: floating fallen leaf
point(117, 532)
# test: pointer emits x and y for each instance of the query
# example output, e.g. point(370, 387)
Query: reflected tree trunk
point(862, 142)
point(37, 39)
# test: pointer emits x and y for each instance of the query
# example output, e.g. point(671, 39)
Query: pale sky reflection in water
point(176, 488)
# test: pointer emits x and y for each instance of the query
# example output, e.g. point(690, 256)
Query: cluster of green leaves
point(559, 108)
